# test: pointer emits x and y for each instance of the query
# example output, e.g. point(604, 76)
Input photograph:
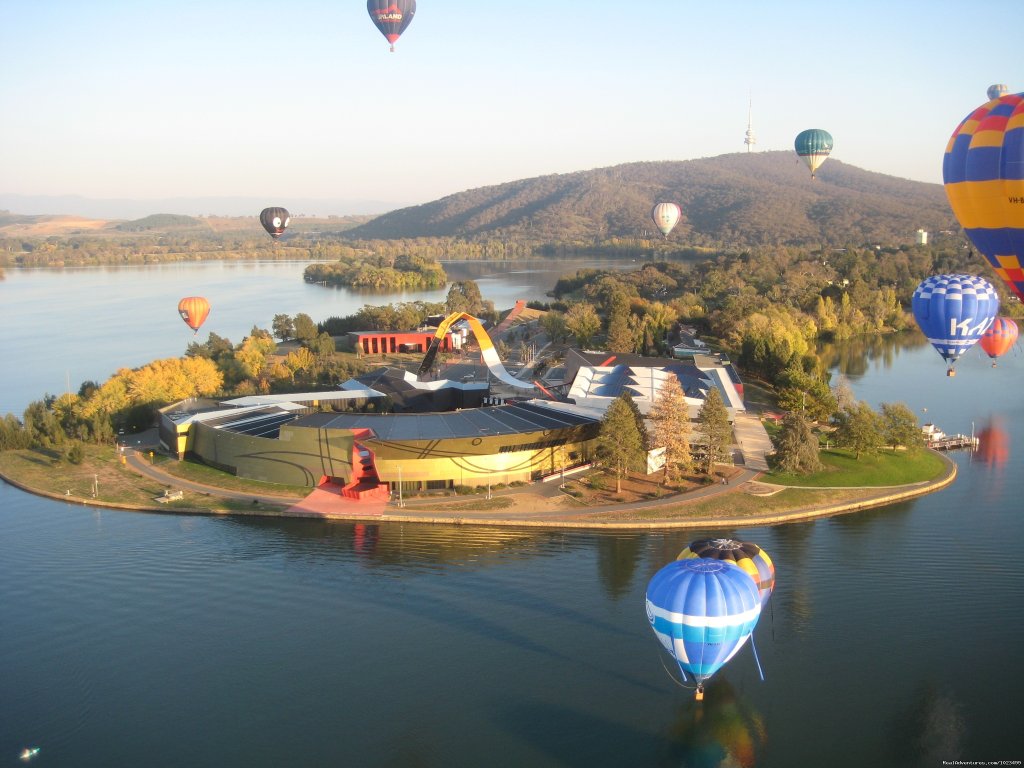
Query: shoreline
point(580, 518)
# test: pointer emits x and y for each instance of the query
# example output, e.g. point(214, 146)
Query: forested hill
point(760, 198)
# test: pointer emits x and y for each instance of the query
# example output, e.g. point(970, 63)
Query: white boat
point(28, 753)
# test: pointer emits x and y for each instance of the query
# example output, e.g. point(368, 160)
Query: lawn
point(198, 472)
point(884, 468)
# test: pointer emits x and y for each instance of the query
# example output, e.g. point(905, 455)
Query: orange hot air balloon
point(999, 338)
point(194, 310)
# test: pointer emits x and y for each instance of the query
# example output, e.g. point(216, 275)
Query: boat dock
point(940, 441)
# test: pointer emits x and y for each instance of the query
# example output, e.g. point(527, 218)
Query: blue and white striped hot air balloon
point(954, 311)
point(702, 612)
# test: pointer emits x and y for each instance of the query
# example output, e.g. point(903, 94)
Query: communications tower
point(750, 139)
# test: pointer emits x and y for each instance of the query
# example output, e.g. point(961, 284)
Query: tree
point(553, 324)
point(304, 328)
point(252, 355)
point(620, 336)
point(859, 429)
point(620, 443)
point(582, 322)
point(807, 393)
point(716, 433)
point(797, 449)
point(671, 428)
point(900, 427)
point(283, 327)
point(464, 296)
point(300, 359)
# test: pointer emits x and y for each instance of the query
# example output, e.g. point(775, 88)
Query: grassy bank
point(887, 467)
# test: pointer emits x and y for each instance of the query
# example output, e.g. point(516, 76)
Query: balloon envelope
point(194, 310)
point(702, 611)
point(748, 556)
point(391, 17)
point(666, 216)
point(813, 146)
point(999, 337)
point(275, 221)
point(996, 90)
point(953, 311)
point(983, 171)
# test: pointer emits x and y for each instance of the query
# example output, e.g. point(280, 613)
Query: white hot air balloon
point(997, 90)
point(666, 216)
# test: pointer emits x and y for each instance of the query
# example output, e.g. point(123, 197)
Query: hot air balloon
point(702, 611)
point(275, 221)
point(953, 311)
point(999, 338)
point(983, 171)
point(813, 146)
point(194, 310)
point(666, 216)
point(750, 557)
point(996, 90)
point(391, 17)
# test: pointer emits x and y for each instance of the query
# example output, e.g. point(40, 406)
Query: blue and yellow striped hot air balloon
point(702, 611)
point(954, 311)
point(983, 171)
point(813, 146)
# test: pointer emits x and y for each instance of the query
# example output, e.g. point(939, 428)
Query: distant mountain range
point(734, 200)
point(760, 198)
point(124, 209)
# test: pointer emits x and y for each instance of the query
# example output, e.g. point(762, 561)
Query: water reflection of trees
point(854, 357)
point(618, 556)
point(792, 590)
point(929, 731)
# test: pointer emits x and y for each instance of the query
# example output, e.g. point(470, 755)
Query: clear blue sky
point(301, 98)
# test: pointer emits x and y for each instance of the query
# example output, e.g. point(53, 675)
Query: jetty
point(937, 439)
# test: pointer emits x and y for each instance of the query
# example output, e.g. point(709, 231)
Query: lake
point(892, 638)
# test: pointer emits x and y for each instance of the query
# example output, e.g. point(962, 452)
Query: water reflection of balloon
point(666, 216)
point(993, 443)
point(999, 338)
point(747, 555)
point(391, 17)
point(813, 146)
point(275, 221)
point(724, 731)
point(194, 311)
point(983, 173)
point(953, 311)
point(702, 611)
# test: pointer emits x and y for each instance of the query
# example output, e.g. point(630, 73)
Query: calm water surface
point(892, 638)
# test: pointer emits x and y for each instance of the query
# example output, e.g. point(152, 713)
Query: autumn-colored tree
point(582, 321)
point(670, 421)
point(300, 359)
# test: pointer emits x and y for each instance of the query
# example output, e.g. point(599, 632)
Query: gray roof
point(472, 422)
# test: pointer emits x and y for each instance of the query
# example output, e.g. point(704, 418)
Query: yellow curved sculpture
point(487, 350)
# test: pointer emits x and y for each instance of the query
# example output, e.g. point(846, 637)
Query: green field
point(875, 470)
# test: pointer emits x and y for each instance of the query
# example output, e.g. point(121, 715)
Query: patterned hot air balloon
point(983, 171)
point(391, 17)
point(996, 90)
point(666, 216)
point(813, 146)
point(999, 338)
point(953, 311)
point(194, 311)
point(750, 557)
point(275, 221)
point(702, 611)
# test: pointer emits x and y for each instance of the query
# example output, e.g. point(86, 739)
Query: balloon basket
point(699, 694)
point(951, 373)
